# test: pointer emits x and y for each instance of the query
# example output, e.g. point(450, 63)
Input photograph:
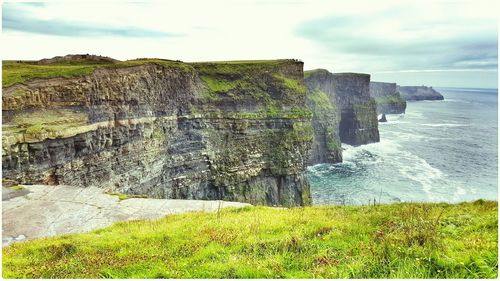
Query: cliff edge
point(235, 131)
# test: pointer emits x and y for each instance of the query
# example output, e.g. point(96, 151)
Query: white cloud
point(224, 30)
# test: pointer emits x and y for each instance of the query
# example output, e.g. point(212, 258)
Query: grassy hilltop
point(384, 241)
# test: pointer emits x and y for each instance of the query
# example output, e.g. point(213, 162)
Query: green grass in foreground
point(386, 241)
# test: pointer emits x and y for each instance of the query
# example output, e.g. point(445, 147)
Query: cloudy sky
point(439, 43)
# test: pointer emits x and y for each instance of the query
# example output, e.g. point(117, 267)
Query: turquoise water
point(439, 151)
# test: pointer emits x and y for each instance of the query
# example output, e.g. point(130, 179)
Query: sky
point(439, 43)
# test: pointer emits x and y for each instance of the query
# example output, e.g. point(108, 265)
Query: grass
point(383, 241)
point(320, 100)
point(19, 72)
point(17, 187)
point(309, 73)
point(123, 196)
point(13, 72)
point(243, 80)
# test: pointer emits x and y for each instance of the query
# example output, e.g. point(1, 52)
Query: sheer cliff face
point(232, 131)
point(358, 120)
point(419, 93)
point(388, 99)
point(326, 147)
point(355, 121)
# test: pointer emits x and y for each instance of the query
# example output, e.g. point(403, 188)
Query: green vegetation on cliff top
point(308, 73)
point(19, 72)
point(384, 241)
point(22, 71)
point(247, 80)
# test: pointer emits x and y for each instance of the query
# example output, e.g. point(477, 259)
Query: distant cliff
point(235, 131)
point(388, 99)
point(419, 93)
point(347, 112)
point(320, 99)
point(358, 118)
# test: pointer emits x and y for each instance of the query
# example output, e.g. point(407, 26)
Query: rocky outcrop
point(416, 93)
point(76, 59)
point(235, 131)
point(388, 99)
point(383, 118)
point(348, 113)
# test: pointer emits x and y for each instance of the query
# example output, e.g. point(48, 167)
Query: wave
point(445, 125)
point(391, 154)
point(457, 100)
point(420, 171)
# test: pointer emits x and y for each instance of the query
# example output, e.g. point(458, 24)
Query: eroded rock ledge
point(236, 131)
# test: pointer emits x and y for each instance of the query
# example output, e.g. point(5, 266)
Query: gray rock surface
point(388, 99)
point(166, 129)
point(55, 210)
point(356, 117)
point(383, 118)
point(326, 147)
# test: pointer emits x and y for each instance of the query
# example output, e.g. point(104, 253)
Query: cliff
point(388, 99)
point(419, 93)
point(326, 147)
point(235, 131)
point(356, 117)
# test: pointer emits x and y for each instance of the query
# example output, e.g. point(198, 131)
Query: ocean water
point(439, 151)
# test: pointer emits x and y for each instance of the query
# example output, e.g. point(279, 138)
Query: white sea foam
point(457, 100)
point(408, 164)
point(445, 125)
point(419, 170)
point(414, 114)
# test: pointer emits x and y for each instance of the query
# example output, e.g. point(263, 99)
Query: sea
point(439, 151)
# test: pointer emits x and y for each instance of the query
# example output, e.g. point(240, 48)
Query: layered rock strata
point(355, 119)
point(321, 99)
point(235, 131)
point(416, 93)
point(388, 99)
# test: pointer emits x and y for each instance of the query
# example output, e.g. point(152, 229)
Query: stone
point(56, 210)
point(209, 131)
point(383, 118)
point(387, 97)
point(20, 238)
point(356, 110)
